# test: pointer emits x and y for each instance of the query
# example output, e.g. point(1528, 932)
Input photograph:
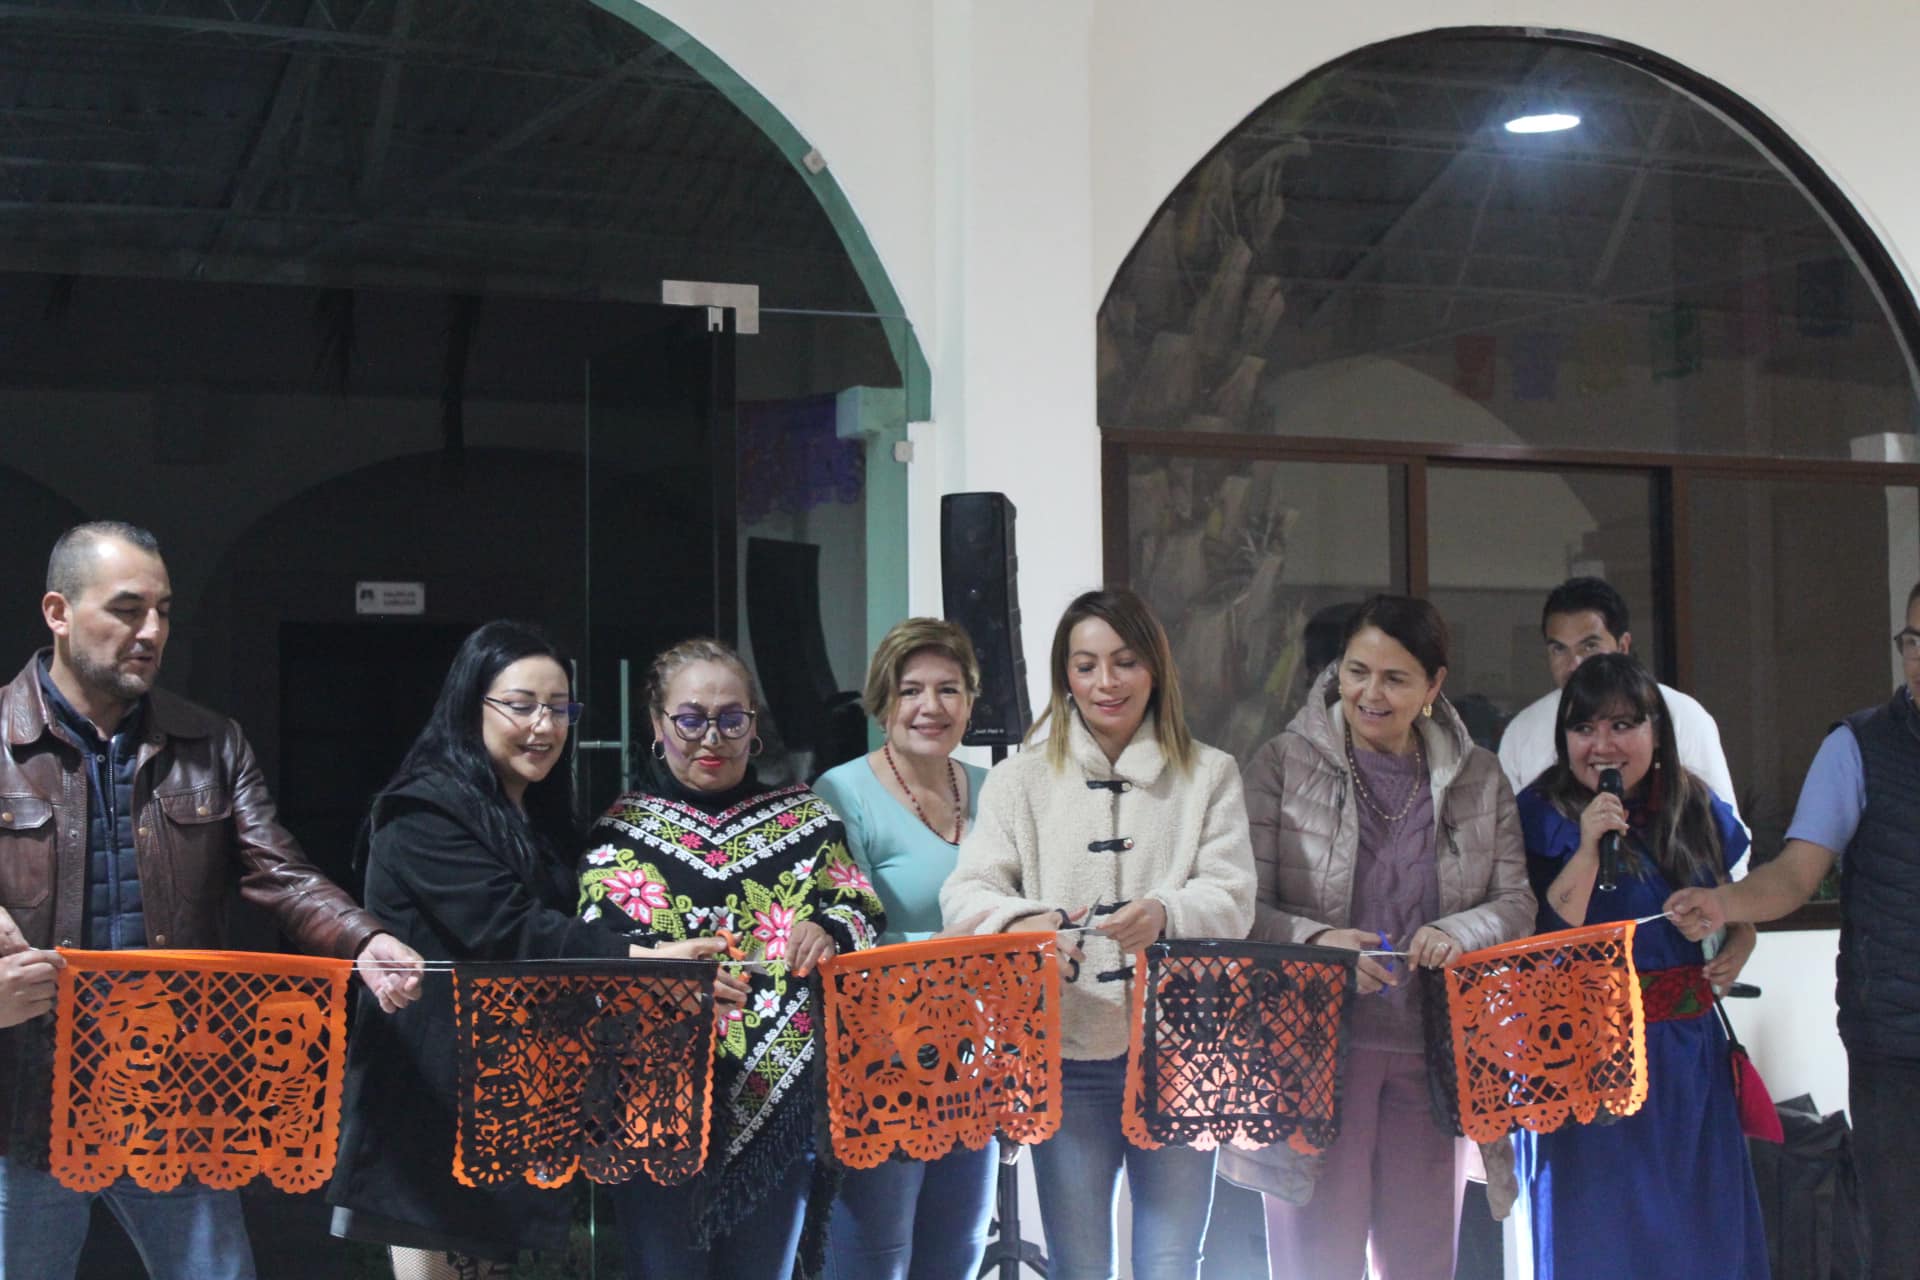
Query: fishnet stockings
point(429, 1264)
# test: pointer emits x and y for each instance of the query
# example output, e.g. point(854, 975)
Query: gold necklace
point(1366, 796)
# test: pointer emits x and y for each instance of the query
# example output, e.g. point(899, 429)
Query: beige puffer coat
point(1306, 832)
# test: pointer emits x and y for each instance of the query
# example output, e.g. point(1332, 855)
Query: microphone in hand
point(1610, 782)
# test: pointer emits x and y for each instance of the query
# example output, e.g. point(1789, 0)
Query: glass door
point(751, 487)
point(660, 463)
point(824, 401)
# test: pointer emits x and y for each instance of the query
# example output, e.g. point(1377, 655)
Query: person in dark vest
point(125, 813)
point(1860, 807)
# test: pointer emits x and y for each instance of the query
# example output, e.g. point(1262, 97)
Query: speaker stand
point(1007, 1252)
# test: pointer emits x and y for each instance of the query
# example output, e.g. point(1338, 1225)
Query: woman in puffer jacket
point(1379, 826)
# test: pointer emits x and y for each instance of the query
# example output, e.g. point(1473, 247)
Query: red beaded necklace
point(953, 780)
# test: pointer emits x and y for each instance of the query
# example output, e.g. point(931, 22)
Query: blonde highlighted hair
point(905, 639)
point(686, 653)
point(1139, 631)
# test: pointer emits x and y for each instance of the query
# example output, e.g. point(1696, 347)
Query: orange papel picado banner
point(604, 1066)
point(1241, 1042)
point(932, 1043)
point(1546, 1030)
point(225, 1065)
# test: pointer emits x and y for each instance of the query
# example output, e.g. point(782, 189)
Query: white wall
point(1789, 1029)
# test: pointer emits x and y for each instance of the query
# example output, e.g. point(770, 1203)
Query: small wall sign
point(390, 597)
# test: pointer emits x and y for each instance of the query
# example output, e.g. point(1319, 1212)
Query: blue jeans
point(914, 1219)
point(1077, 1175)
point(190, 1233)
point(657, 1228)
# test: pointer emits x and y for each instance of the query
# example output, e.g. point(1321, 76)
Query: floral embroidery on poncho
point(659, 869)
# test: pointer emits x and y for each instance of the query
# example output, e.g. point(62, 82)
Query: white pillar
point(1013, 396)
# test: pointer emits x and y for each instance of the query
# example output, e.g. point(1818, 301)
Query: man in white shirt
point(1582, 617)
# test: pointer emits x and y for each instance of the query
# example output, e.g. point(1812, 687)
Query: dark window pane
point(1500, 540)
point(1798, 589)
point(1241, 560)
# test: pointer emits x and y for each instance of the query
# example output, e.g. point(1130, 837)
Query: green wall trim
point(886, 302)
point(874, 416)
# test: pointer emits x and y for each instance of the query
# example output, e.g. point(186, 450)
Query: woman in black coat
point(468, 854)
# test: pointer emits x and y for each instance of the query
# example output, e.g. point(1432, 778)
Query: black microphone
point(1611, 784)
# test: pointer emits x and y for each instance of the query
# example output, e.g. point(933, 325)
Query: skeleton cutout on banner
point(598, 1066)
point(222, 1065)
point(1241, 1042)
point(1539, 1032)
point(933, 1043)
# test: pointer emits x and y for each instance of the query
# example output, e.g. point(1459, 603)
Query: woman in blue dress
point(1669, 1190)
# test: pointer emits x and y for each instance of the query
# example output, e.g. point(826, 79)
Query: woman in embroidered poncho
point(703, 848)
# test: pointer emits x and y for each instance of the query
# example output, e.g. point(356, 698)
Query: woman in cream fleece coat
point(1122, 822)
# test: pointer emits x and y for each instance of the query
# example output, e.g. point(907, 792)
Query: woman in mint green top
point(905, 807)
point(903, 856)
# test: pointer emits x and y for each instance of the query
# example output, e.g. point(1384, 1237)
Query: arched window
point(1469, 313)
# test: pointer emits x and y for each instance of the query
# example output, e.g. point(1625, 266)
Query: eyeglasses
point(529, 713)
point(1907, 641)
point(732, 723)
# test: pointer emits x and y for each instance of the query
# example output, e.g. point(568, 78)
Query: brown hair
point(905, 639)
point(1141, 632)
point(1414, 624)
point(686, 653)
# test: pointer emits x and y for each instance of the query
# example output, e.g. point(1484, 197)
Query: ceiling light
point(1544, 122)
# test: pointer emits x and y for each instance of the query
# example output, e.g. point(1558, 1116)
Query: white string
point(1406, 955)
point(448, 966)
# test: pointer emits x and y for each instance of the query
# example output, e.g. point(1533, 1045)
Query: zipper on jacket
point(1339, 818)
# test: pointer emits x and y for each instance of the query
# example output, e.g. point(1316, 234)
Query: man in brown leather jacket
point(124, 814)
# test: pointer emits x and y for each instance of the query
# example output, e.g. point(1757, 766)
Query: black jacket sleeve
point(473, 901)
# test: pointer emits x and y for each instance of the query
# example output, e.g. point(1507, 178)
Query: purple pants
point(1389, 1189)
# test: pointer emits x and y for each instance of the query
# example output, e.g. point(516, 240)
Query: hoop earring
point(659, 749)
point(755, 747)
point(1427, 711)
